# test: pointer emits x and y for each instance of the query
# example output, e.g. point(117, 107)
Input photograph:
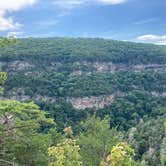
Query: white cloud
point(68, 3)
point(146, 21)
point(14, 5)
point(111, 2)
point(75, 3)
point(15, 34)
point(7, 23)
point(151, 38)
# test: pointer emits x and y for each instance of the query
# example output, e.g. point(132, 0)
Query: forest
point(82, 102)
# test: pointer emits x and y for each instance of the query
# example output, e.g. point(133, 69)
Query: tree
point(25, 133)
point(96, 140)
point(4, 42)
point(3, 77)
point(20, 138)
point(65, 153)
point(121, 155)
point(163, 150)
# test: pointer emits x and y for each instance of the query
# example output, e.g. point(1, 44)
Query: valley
point(73, 79)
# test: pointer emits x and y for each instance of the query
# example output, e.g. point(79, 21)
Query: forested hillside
point(107, 91)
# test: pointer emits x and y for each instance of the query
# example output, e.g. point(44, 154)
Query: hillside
point(70, 78)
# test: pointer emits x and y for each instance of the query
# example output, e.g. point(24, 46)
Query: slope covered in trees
point(109, 92)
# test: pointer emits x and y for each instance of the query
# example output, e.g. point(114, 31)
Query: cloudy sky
point(133, 20)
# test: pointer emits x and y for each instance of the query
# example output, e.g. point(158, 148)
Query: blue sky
point(132, 20)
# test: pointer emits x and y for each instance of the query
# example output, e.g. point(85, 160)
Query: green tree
point(96, 140)
point(65, 153)
point(3, 77)
point(163, 150)
point(121, 155)
point(4, 42)
point(20, 138)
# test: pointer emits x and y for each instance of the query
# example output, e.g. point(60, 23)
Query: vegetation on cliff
point(71, 79)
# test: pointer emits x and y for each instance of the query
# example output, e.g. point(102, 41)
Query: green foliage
point(21, 141)
point(65, 153)
point(61, 68)
point(4, 42)
point(146, 138)
point(127, 111)
point(55, 83)
point(163, 148)
point(96, 140)
point(121, 155)
point(3, 77)
point(80, 49)
point(64, 115)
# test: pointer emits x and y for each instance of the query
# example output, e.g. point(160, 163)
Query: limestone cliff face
point(25, 98)
point(80, 103)
point(16, 66)
point(91, 102)
point(91, 67)
point(158, 94)
point(97, 102)
point(97, 67)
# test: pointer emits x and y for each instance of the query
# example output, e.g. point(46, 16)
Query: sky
point(127, 20)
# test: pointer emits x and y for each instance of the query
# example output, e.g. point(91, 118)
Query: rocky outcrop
point(90, 67)
point(100, 67)
point(16, 66)
point(17, 97)
point(157, 94)
point(81, 103)
point(91, 102)
point(81, 68)
point(97, 67)
point(20, 65)
point(34, 98)
point(97, 102)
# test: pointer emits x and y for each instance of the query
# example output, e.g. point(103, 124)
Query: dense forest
point(82, 101)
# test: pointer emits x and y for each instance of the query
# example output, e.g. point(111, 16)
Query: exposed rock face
point(45, 99)
point(157, 94)
point(100, 67)
point(82, 68)
point(81, 103)
point(97, 102)
point(34, 98)
point(18, 98)
point(150, 67)
point(18, 66)
point(110, 67)
point(92, 67)
point(91, 102)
